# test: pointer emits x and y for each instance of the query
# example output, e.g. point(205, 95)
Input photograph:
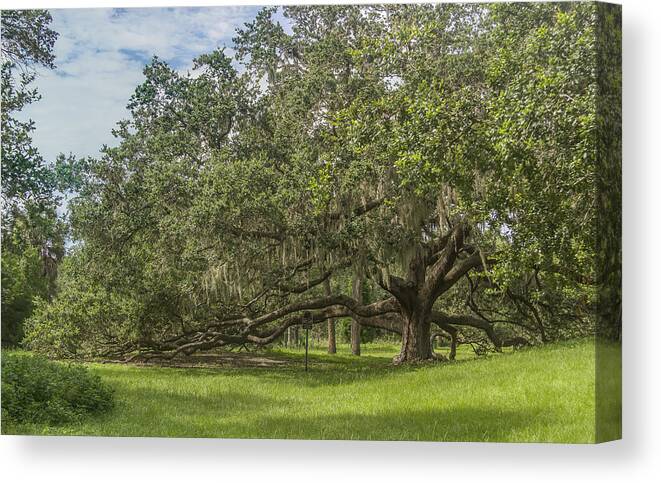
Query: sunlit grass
point(539, 394)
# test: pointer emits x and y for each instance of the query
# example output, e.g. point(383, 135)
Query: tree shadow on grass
point(457, 424)
point(323, 370)
point(320, 373)
point(144, 410)
point(220, 398)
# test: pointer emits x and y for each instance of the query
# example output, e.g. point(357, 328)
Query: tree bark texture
point(357, 289)
point(332, 345)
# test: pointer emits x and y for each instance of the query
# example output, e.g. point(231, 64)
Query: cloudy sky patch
point(100, 54)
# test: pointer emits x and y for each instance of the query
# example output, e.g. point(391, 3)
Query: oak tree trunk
point(453, 346)
point(332, 346)
point(293, 336)
point(416, 340)
point(357, 290)
point(355, 338)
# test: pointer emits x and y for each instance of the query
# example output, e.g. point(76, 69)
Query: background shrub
point(36, 390)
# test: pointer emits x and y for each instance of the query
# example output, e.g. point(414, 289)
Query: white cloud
point(100, 55)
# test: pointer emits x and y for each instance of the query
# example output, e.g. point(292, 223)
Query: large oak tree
point(427, 150)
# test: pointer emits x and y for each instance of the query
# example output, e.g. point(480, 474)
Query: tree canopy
point(443, 154)
point(32, 187)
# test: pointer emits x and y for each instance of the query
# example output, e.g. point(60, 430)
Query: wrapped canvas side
point(608, 351)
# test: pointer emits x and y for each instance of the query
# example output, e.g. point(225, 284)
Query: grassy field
point(541, 394)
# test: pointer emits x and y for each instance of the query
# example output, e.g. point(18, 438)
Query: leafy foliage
point(32, 233)
point(21, 281)
point(36, 390)
point(26, 37)
point(85, 320)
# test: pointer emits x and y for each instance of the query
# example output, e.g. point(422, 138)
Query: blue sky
point(100, 54)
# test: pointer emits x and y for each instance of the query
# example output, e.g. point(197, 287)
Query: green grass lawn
point(540, 394)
